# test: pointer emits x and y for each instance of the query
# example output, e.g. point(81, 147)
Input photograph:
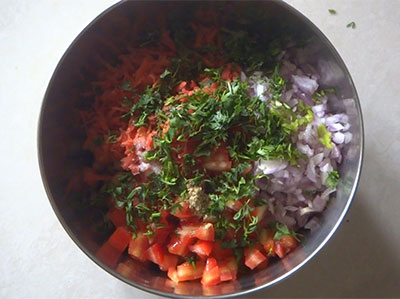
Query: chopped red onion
point(284, 190)
point(305, 84)
point(338, 138)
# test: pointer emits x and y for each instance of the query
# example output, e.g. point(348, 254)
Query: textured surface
point(38, 260)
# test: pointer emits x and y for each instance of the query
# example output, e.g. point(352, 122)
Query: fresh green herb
point(221, 227)
point(165, 74)
point(332, 179)
point(324, 136)
point(332, 11)
point(329, 90)
point(249, 228)
point(252, 51)
point(112, 138)
point(276, 84)
point(191, 260)
point(149, 233)
point(318, 96)
point(149, 102)
point(243, 212)
point(351, 25)
point(282, 230)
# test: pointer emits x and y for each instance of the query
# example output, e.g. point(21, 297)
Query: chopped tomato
point(289, 242)
point(173, 274)
point(219, 160)
point(225, 272)
point(205, 232)
point(169, 261)
point(202, 248)
point(230, 72)
point(233, 266)
point(211, 274)
point(164, 217)
point(187, 271)
point(108, 254)
point(180, 245)
point(269, 247)
point(160, 236)
point(117, 216)
point(188, 230)
point(180, 86)
point(120, 239)
point(285, 245)
point(228, 269)
point(149, 140)
point(209, 89)
point(266, 239)
point(155, 254)
point(138, 247)
point(253, 257)
point(220, 253)
point(226, 72)
point(279, 250)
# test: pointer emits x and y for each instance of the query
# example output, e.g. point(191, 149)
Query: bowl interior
point(61, 134)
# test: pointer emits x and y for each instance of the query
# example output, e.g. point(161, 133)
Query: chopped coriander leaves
point(351, 25)
point(332, 11)
point(191, 260)
point(112, 138)
point(165, 74)
point(276, 84)
point(332, 179)
point(243, 212)
point(324, 136)
point(149, 102)
point(282, 230)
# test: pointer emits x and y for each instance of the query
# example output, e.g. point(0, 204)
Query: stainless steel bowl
point(60, 137)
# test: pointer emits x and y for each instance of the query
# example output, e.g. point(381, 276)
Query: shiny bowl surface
point(60, 137)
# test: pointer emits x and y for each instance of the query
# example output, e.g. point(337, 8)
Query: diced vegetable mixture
point(212, 147)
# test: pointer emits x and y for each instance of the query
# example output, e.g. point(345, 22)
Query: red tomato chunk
point(253, 258)
point(211, 274)
point(187, 271)
point(138, 247)
point(120, 239)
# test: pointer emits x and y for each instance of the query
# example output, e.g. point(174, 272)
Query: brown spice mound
point(197, 199)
